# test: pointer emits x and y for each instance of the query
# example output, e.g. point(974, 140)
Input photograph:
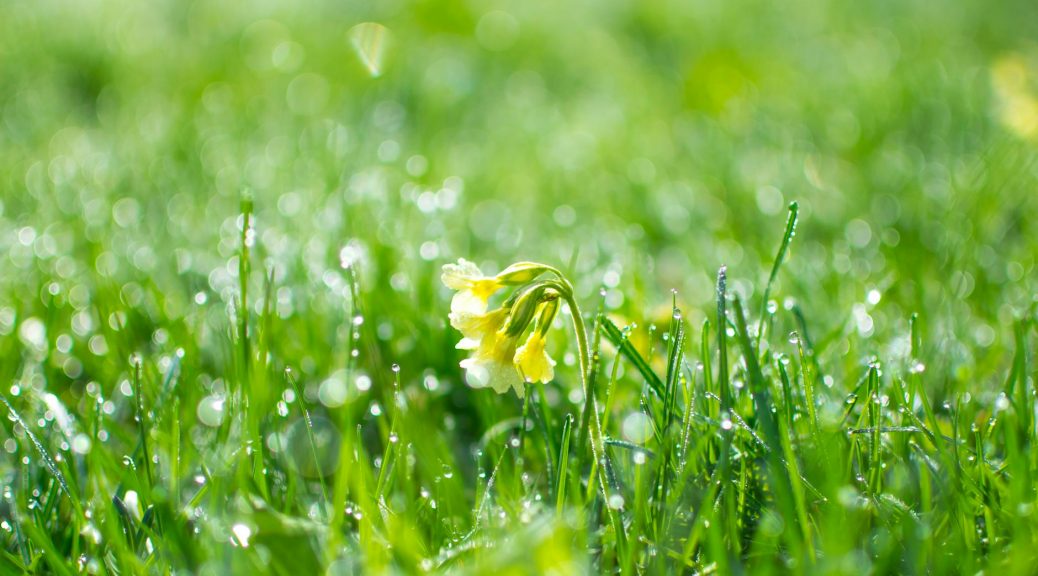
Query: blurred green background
point(639, 145)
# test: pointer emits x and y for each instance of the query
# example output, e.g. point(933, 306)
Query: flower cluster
point(497, 360)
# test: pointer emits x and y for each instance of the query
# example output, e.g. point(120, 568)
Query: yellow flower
point(493, 336)
point(492, 364)
point(474, 289)
point(475, 327)
point(533, 361)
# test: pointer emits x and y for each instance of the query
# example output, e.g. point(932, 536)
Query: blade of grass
point(309, 433)
point(616, 338)
point(787, 237)
point(777, 472)
point(45, 456)
point(560, 486)
point(729, 522)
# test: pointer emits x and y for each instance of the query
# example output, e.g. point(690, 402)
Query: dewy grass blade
point(876, 424)
point(729, 518)
point(309, 432)
point(675, 354)
point(243, 287)
point(722, 340)
point(48, 461)
point(708, 375)
point(560, 486)
point(787, 238)
point(777, 472)
point(623, 344)
point(142, 423)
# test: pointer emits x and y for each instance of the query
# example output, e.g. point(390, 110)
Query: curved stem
point(591, 405)
point(582, 343)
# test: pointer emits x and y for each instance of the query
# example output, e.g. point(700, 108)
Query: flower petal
point(533, 361)
point(467, 302)
point(486, 373)
point(477, 326)
point(460, 276)
point(492, 366)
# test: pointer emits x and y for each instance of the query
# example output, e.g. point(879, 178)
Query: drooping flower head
point(497, 361)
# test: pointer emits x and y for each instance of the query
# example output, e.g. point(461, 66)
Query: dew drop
point(242, 533)
point(616, 501)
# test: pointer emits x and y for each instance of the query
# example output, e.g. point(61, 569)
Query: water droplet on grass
point(242, 533)
point(211, 410)
point(1002, 402)
point(637, 428)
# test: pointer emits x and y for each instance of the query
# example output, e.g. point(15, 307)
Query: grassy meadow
point(791, 290)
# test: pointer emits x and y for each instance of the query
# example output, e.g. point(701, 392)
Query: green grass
point(224, 344)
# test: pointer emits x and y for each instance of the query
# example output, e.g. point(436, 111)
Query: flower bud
point(526, 305)
point(521, 273)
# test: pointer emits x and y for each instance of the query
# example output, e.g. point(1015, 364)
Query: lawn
point(442, 286)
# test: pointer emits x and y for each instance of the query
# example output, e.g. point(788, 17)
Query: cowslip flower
point(497, 361)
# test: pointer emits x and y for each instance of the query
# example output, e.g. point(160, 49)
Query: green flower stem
point(591, 405)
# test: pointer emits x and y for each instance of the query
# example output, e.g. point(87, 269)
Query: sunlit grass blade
point(308, 423)
point(45, 457)
point(560, 478)
point(617, 339)
point(761, 389)
point(787, 238)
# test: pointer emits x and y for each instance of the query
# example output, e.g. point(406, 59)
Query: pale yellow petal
point(533, 362)
point(467, 302)
point(460, 276)
point(487, 373)
point(484, 288)
point(491, 365)
point(477, 326)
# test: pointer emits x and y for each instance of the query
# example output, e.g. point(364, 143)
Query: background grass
point(221, 227)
